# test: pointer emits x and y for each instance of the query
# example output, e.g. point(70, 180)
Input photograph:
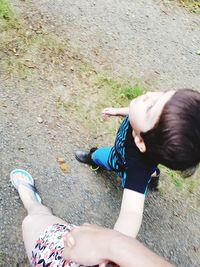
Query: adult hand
point(88, 244)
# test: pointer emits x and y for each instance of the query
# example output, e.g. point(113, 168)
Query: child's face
point(145, 110)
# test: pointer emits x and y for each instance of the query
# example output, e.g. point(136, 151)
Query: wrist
point(116, 111)
point(103, 242)
point(114, 246)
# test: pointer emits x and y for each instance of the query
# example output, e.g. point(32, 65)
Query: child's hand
point(109, 112)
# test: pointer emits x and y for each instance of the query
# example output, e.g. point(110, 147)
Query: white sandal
point(29, 184)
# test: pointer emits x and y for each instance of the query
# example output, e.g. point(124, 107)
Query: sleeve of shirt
point(138, 176)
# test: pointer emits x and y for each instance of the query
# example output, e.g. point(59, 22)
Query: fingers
point(109, 112)
point(105, 114)
point(106, 110)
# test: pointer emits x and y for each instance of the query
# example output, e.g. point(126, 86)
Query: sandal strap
point(29, 185)
point(32, 188)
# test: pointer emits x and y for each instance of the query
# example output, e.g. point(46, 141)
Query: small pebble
point(175, 213)
point(60, 160)
point(39, 120)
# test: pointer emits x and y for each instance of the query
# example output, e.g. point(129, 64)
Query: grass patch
point(118, 92)
point(176, 178)
point(18, 66)
point(92, 93)
point(25, 55)
point(192, 5)
point(8, 19)
point(190, 184)
point(26, 49)
point(2, 257)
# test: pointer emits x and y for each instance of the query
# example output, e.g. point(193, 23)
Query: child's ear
point(140, 143)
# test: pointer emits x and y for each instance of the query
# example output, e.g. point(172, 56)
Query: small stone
point(175, 213)
point(39, 120)
point(195, 249)
point(60, 160)
point(28, 33)
point(72, 68)
point(21, 148)
point(38, 31)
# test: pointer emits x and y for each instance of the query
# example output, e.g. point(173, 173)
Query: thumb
point(69, 243)
point(69, 240)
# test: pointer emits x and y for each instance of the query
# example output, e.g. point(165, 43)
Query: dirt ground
point(152, 41)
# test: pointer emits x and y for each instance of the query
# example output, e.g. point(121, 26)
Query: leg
point(100, 157)
point(38, 216)
point(34, 224)
point(95, 157)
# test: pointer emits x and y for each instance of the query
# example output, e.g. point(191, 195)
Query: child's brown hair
point(175, 139)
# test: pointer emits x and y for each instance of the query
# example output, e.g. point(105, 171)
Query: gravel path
point(144, 39)
point(147, 40)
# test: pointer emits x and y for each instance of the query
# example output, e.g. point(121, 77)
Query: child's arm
point(115, 112)
point(130, 217)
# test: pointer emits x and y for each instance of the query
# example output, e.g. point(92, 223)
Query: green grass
point(176, 178)
point(18, 66)
point(192, 5)
point(25, 51)
point(23, 56)
point(8, 18)
point(92, 93)
point(2, 258)
point(190, 184)
point(119, 92)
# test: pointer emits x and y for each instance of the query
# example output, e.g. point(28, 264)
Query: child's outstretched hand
point(109, 112)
